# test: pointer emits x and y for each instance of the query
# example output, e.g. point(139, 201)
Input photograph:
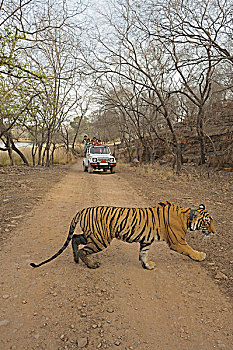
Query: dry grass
point(155, 169)
point(60, 156)
point(165, 171)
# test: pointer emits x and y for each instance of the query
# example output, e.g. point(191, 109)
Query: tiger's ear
point(202, 206)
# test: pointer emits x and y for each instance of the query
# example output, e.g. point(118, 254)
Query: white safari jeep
point(99, 157)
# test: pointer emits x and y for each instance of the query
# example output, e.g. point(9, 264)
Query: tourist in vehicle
point(86, 145)
point(95, 141)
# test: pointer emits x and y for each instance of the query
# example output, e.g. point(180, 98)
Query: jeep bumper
point(100, 166)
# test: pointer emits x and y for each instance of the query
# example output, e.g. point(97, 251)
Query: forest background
point(154, 78)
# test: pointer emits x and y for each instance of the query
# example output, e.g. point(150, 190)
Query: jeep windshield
point(100, 150)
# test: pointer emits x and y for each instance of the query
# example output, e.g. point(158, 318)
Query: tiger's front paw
point(203, 256)
point(76, 258)
point(93, 265)
point(200, 256)
point(149, 265)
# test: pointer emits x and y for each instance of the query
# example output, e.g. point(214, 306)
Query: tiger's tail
point(73, 224)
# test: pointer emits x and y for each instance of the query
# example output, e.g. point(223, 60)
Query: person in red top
point(95, 142)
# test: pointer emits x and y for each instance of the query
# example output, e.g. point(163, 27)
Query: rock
point(6, 296)
point(4, 322)
point(135, 162)
point(117, 343)
point(220, 275)
point(110, 310)
point(220, 344)
point(171, 178)
point(17, 217)
point(82, 342)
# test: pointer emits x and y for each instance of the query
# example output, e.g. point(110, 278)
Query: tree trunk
point(176, 143)
point(47, 148)
point(34, 150)
point(215, 151)
point(43, 157)
point(47, 157)
point(40, 153)
point(9, 150)
point(52, 153)
point(178, 158)
point(14, 148)
point(129, 150)
point(76, 133)
point(201, 136)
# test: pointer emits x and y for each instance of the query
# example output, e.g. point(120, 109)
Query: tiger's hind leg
point(76, 241)
point(143, 256)
point(92, 246)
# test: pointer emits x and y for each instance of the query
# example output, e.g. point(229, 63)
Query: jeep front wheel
point(90, 169)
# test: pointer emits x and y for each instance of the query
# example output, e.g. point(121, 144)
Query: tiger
point(164, 222)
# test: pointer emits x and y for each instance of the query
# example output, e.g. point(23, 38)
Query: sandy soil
point(195, 186)
point(61, 305)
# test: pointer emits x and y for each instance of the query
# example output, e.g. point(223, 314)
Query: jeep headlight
point(111, 160)
point(94, 160)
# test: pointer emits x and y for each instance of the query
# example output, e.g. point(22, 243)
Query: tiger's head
point(200, 219)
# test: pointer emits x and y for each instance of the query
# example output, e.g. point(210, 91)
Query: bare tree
point(42, 36)
point(82, 106)
point(135, 59)
point(175, 53)
point(197, 38)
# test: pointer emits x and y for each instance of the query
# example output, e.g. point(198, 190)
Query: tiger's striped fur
point(166, 221)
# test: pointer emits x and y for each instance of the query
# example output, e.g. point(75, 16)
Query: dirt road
point(118, 306)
